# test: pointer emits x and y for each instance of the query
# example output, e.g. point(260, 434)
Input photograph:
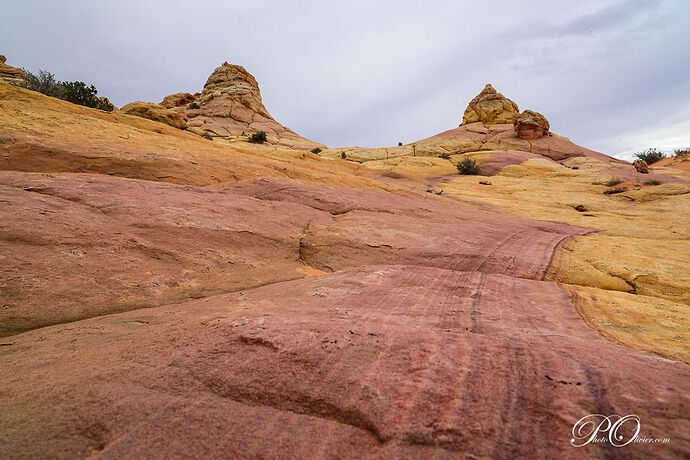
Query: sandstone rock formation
point(178, 100)
point(230, 105)
point(641, 166)
point(155, 112)
point(530, 125)
point(485, 141)
point(10, 75)
point(489, 107)
point(166, 296)
point(229, 108)
point(485, 134)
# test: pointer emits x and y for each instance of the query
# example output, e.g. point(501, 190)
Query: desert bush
point(652, 182)
point(681, 152)
point(316, 150)
point(193, 105)
point(445, 156)
point(468, 167)
point(76, 92)
point(105, 104)
point(206, 135)
point(400, 144)
point(650, 155)
point(44, 83)
point(342, 155)
point(258, 138)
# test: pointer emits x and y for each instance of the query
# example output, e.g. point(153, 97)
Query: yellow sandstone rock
point(490, 106)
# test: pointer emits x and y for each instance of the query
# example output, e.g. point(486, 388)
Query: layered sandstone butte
point(164, 296)
point(230, 105)
point(11, 75)
point(229, 108)
point(490, 106)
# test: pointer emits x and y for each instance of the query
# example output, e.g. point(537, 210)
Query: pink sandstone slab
point(372, 362)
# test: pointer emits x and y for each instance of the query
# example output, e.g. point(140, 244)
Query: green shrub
point(400, 144)
point(44, 83)
point(258, 138)
point(342, 155)
point(194, 105)
point(76, 92)
point(681, 152)
point(316, 150)
point(468, 167)
point(206, 135)
point(650, 155)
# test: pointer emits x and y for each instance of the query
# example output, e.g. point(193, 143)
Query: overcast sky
point(610, 75)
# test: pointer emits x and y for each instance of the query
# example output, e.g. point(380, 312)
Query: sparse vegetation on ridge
point(76, 92)
point(316, 150)
point(650, 155)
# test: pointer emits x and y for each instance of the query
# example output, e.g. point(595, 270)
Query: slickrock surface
point(371, 362)
point(103, 248)
point(641, 247)
point(490, 106)
point(156, 113)
point(163, 296)
point(10, 75)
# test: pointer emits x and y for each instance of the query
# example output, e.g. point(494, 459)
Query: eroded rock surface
point(530, 125)
point(156, 113)
point(379, 361)
point(641, 166)
point(11, 75)
point(106, 249)
point(489, 107)
point(178, 100)
point(230, 105)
